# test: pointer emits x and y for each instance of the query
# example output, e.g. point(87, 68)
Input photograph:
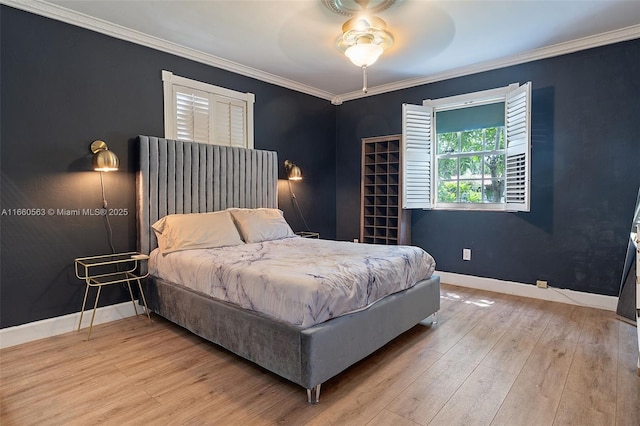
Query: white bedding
point(301, 281)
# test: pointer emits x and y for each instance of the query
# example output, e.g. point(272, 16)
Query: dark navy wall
point(62, 88)
point(585, 175)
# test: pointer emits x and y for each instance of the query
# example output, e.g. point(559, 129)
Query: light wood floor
point(492, 359)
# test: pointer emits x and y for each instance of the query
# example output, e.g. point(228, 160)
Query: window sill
point(471, 207)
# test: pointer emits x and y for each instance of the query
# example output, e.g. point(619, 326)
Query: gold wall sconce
point(293, 171)
point(103, 160)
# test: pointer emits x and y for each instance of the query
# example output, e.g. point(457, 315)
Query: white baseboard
point(36, 330)
point(12, 336)
point(552, 294)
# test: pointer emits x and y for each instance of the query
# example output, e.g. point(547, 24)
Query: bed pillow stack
point(225, 228)
point(258, 225)
point(196, 231)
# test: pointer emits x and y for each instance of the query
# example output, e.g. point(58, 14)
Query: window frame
point(172, 84)
point(420, 177)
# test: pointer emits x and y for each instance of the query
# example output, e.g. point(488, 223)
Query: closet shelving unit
point(382, 220)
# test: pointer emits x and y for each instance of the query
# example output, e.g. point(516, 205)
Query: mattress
point(301, 281)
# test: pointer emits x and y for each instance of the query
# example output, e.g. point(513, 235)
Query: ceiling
point(292, 43)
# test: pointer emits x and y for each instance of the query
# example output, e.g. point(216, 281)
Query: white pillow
point(257, 225)
point(196, 231)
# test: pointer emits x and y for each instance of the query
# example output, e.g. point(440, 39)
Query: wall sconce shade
point(293, 171)
point(103, 160)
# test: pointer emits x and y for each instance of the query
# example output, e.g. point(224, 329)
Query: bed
point(177, 179)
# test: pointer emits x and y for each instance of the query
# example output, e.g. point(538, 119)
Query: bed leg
point(313, 394)
point(435, 318)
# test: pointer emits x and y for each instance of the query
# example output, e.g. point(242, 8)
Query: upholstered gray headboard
point(188, 177)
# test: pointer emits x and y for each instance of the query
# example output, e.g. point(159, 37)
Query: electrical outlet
point(466, 254)
point(541, 284)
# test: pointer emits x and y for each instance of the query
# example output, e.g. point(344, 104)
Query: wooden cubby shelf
point(382, 220)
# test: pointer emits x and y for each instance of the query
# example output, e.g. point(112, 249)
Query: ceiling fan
point(364, 36)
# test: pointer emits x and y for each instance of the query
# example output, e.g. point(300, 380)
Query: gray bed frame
point(186, 177)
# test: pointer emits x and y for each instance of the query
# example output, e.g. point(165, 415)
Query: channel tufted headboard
point(188, 177)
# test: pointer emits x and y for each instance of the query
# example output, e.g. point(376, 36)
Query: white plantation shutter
point(416, 156)
point(201, 112)
point(518, 136)
point(419, 143)
point(192, 115)
point(230, 122)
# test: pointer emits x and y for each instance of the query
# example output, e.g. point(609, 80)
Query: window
point(200, 112)
point(478, 145)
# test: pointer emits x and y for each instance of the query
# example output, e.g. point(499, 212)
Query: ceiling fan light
point(364, 23)
point(364, 54)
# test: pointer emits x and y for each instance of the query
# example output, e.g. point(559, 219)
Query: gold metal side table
point(308, 234)
point(98, 271)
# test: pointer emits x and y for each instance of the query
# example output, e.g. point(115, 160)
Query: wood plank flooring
point(492, 359)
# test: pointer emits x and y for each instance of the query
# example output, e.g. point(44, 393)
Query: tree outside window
point(471, 166)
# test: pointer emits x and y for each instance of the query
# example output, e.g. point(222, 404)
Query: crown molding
point(68, 16)
point(81, 20)
point(611, 37)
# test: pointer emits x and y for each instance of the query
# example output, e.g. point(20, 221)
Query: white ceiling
point(292, 43)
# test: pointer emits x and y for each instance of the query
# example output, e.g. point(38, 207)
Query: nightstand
point(308, 234)
point(98, 271)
